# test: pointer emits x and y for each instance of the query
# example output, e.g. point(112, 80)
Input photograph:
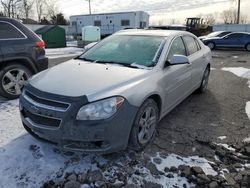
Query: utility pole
point(89, 7)
point(238, 13)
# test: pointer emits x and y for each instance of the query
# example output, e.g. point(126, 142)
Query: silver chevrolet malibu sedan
point(115, 93)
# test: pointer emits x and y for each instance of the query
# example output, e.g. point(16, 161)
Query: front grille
point(41, 120)
point(45, 103)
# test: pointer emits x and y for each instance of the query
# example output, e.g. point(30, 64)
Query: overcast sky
point(161, 11)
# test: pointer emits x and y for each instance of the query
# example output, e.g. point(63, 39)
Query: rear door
point(196, 58)
point(12, 41)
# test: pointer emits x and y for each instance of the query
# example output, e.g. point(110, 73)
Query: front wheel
point(204, 81)
point(12, 79)
point(144, 126)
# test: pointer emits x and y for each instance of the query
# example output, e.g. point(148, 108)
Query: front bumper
point(52, 118)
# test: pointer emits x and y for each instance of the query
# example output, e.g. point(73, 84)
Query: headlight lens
point(103, 109)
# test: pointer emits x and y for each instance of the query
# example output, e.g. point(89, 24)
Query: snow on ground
point(239, 71)
point(222, 137)
point(72, 43)
point(248, 109)
point(26, 162)
point(53, 53)
point(243, 73)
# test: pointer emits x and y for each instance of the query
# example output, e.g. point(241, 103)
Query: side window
point(191, 44)
point(7, 31)
point(177, 48)
point(235, 36)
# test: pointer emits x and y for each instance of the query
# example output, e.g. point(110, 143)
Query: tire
point(248, 47)
point(142, 133)
point(204, 81)
point(12, 79)
point(211, 45)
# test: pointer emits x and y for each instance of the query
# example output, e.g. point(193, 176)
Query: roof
point(150, 32)
point(108, 13)
point(45, 29)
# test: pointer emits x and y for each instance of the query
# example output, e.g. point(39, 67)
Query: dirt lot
point(213, 127)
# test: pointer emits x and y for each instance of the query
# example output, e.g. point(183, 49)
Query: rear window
point(8, 31)
point(191, 44)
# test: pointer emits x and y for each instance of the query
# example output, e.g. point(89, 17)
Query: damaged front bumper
point(52, 118)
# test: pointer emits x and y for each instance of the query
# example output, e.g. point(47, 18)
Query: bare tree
point(229, 16)
point(39, 9)
point(10, 7)
point(209, 19)
point(51, 7)
point(27, 6)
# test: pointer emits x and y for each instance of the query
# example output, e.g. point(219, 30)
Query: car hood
point(77, 78)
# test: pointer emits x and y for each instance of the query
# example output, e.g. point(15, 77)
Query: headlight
point(103, 109)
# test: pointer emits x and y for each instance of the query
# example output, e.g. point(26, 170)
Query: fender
point(24, 60)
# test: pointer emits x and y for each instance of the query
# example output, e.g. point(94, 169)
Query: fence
point(232, 27)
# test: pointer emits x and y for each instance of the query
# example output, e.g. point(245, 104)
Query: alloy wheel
point(14, 80)
point(205, 80)
point(210, 45)
point(147, 125)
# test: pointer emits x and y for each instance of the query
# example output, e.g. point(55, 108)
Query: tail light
point(40, 44)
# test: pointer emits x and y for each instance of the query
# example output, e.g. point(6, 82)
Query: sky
point(161, 11)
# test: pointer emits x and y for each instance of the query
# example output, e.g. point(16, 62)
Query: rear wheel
point(204, 81)
point(211, 45)
point(144, 126)
point(248, 47)
point(12, 79)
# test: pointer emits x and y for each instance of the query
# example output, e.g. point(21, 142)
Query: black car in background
point(22, 54)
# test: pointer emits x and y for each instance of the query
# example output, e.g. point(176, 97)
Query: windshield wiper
point(85, 59)
point(118, 63)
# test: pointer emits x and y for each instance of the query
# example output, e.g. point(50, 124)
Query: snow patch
point(248, 109)
point(239, 71)
point(176, 161)
point(222, 137)
point(226, 146)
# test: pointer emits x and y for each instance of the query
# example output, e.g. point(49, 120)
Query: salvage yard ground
point(204, 141)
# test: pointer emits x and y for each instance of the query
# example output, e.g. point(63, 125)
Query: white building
point(109, 22)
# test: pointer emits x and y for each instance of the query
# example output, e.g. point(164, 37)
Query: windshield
point(126, 50)
point(213, 34)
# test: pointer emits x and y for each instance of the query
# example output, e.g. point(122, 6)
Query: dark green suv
point(22, 54)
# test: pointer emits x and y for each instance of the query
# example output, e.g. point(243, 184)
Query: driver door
point(176, 78)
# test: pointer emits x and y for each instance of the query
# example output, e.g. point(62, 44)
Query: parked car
point(22, 54)
point(215, 34)
point(232, 40)
point(115, 93)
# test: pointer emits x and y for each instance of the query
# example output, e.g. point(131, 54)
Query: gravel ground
point(213, 127)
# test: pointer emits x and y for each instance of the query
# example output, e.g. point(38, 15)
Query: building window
point(97, 23)
point(73, 23)
point(125, 23)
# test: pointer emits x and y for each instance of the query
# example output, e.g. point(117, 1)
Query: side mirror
point(178, 60)
point(226, 37)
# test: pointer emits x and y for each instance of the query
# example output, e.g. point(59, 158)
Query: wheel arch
point(19, 60)
point(157, 99)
